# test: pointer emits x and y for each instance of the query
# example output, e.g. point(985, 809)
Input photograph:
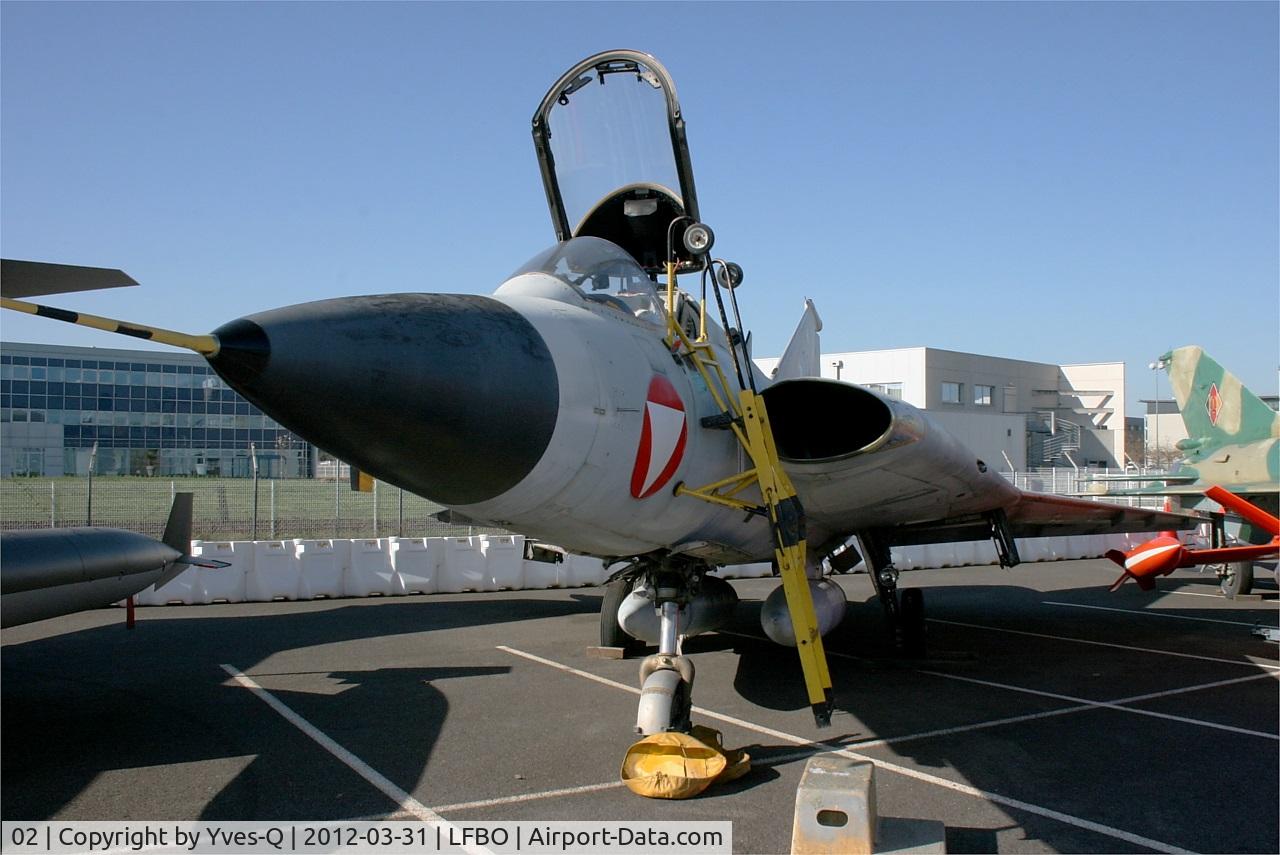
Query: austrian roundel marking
point(662, 440)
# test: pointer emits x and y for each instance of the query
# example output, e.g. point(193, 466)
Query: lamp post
point(1157, 367)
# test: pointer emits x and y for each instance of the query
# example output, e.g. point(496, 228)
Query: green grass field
point(224, 507)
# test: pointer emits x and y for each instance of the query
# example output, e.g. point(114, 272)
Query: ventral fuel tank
point(828, 604)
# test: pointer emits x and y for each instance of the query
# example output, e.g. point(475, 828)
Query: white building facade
point(1012, 413)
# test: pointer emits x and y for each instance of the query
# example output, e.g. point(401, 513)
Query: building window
point(889, 390)
point(983, 396)
point(952, 393)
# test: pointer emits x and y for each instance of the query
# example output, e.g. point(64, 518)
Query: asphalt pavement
point(1048, 716)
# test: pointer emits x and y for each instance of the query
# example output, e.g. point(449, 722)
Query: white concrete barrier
point(183, 589)
point(268, 570)
point(370, 573)
point(275, 573)
point(504, 561)
point(758, 570)
point(320, 568)
point(416, 562)
point(539, 575)
point(462, 566)
point(225, 584)
point(907, 557)
point(582, 570)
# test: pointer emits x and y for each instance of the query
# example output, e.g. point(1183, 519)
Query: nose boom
point(463, 382)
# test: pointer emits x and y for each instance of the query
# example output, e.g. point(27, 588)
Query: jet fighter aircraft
point(595, 403)
point(1233, 441)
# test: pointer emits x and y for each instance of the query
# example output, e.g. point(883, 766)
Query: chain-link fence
point(224, 508)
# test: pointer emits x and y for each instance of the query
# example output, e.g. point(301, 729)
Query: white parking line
point(1145, 613)
point(595, 788)
point(1082, 703)
point(1017, 804)
point(1194, 594)
point(1119, 705)
point(407, 803)
point(1246, 661)
point(529, 797)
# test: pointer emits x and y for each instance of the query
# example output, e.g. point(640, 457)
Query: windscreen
point(602, 273)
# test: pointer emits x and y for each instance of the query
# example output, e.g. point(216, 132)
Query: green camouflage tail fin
point(1215, 405)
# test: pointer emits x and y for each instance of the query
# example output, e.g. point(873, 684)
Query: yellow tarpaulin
point(680, 765)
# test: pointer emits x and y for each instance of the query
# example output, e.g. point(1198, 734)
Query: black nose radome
point(452, 396)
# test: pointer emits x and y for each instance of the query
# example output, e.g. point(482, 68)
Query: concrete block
point(835, 807)
point(836, 812)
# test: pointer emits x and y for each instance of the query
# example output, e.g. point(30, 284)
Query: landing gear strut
point(666, 680)
point(904, 610)
point(666, 677)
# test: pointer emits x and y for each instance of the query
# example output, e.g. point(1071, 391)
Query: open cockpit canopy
point(615, 164)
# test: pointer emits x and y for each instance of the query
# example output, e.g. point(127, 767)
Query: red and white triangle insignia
point(1213, 404)
point(662, 439)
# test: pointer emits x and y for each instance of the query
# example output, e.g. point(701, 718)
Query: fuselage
point(556, 408)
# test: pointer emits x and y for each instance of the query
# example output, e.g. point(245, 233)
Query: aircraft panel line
point(1016, 804)
point(406, 802)
point(1129, 647)
point(1144, 613)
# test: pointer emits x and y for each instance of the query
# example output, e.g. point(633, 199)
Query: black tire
point(1238, 580)
point(911, 614)
point(682, 708)
point(612, 635)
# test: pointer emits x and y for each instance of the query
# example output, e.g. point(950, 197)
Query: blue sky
point(1052, 182)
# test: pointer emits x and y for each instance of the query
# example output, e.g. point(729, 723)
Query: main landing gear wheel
point(911, 618)
point(611, 633)
point(903, 609)
point(1237, 579)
